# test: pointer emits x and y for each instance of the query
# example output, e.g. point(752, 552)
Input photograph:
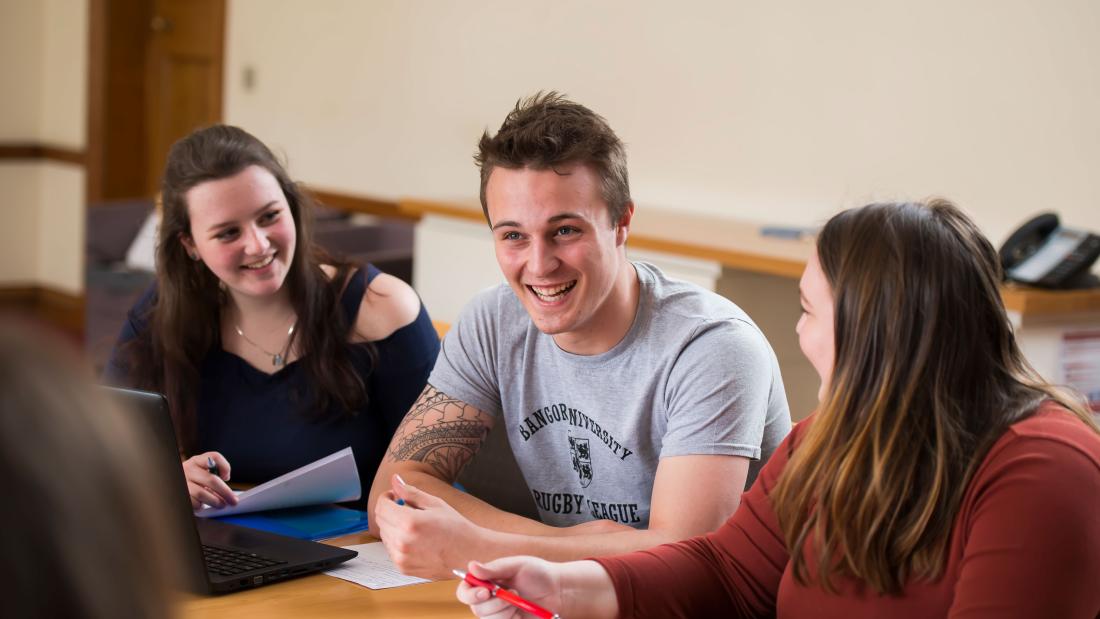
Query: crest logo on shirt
point(582, 459)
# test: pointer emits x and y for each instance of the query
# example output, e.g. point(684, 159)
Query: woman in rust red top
point(940, 475)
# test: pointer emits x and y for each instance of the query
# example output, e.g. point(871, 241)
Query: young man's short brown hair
point(548, 131)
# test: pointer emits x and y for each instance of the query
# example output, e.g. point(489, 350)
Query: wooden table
point(319, 595)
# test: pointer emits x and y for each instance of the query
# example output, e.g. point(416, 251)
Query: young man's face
point(558, 250)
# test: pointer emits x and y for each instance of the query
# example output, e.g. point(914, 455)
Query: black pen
point(212, 466)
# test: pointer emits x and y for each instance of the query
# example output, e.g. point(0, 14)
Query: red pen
point(506, 595)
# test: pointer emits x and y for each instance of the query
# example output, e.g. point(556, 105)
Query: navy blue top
point(261, 422)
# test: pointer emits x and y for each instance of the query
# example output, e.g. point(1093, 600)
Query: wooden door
point(184, 74)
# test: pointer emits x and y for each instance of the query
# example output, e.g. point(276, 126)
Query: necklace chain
point(278, 359)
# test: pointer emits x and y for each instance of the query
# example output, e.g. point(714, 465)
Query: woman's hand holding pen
point(206, 475)
point(533, 578)
point(576, 589)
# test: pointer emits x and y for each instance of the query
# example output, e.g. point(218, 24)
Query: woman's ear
point(189, 246)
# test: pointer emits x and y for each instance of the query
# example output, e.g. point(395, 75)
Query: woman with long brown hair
point(939, 476)
point(271, 352)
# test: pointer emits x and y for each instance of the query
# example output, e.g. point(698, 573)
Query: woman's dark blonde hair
point(927, 376)
point(85, 529)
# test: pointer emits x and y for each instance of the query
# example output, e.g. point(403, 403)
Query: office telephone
point(1046, 254)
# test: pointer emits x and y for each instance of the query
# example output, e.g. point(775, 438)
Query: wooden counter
point(734, 244)
point(1035, 302)
point(737, 244)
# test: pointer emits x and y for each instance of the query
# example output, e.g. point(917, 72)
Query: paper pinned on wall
point(332, 479)
point(1081, 365)
point(373, 569)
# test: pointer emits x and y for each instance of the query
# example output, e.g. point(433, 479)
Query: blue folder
point(313, 523)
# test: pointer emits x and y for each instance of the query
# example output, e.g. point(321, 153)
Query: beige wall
point(779, 111)
point(43, 73)
point(21, 76)
point(42, 229)
point(776, 111)
point(21, 186)
point(64, 114)
point(61, 228)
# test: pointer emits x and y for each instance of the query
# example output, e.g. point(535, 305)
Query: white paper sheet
point(331, 479)
point(373, 569)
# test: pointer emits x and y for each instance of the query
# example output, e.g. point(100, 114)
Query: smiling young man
point(638, 407)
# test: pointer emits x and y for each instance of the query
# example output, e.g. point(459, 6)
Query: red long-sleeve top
point(1026, 543)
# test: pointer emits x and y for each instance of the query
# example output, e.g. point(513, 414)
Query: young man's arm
point(692, 495)
point(438, 437)
point(428, 537)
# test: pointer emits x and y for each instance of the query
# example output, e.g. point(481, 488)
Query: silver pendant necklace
point(278, 359)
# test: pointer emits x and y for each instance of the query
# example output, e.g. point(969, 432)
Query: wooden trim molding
point(61, 309)
point(47, 152)
point(358, 204)
point(96, 103)
point(18, 296)
point(417, 209)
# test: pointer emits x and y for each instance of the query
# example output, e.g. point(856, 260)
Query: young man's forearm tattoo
point(441, 431)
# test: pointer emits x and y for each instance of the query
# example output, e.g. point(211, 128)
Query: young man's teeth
point(261, 264)
point(550, 294)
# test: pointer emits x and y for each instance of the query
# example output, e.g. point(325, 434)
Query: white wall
point(43, 74)
point(42, 225)
point(63, 119)
point(777, 111)
point(61, 221)
point(20, 184)
point(20, 72)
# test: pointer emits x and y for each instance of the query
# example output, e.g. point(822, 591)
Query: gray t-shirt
point(693, 376)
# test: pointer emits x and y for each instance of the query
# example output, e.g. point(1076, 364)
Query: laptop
point(222, 556)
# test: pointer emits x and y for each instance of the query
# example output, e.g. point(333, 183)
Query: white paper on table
point(331, 479)
point(372, 569)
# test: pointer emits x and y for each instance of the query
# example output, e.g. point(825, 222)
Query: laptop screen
point(150, 412)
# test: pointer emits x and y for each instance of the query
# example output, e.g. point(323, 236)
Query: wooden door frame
point(96, 162)
point(96, 102)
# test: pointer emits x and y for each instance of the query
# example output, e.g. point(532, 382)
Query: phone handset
point(1044, 253)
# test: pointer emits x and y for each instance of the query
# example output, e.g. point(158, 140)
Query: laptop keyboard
point(226, 562)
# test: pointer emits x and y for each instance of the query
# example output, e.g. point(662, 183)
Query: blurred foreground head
point(81, 524)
